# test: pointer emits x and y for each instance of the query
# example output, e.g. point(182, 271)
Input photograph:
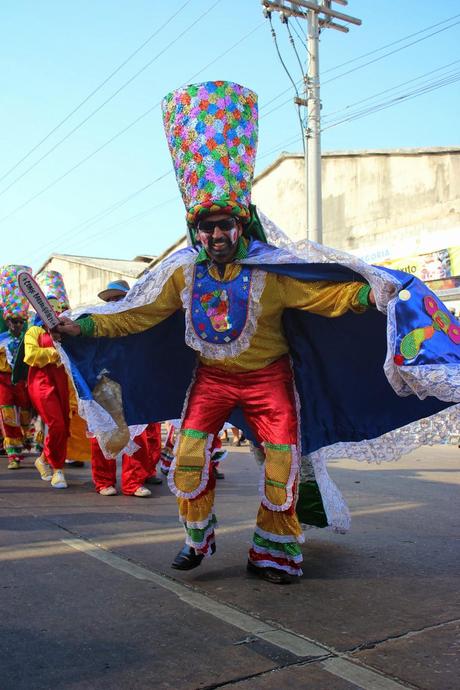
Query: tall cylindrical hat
point(52, 284)
point(13, 301)
point(211, 130)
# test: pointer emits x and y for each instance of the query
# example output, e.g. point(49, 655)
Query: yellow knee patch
point(10, 415)
point(192, 462)
point(279, 477)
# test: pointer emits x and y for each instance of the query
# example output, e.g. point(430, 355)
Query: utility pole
point(319, 15)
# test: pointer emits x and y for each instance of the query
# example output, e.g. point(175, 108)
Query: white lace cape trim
point(442, 428)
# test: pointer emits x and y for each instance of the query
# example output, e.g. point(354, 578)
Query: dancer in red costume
point(15, 412)
point(48, 386)
point(153, 433)
point(52, 392)
point(137, 467)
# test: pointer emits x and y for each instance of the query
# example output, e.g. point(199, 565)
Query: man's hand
point(66, 327)
point(371, 298)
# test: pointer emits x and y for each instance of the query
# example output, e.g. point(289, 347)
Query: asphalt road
point(88, 600)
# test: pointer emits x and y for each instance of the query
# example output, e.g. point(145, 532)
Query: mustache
point(220, 240)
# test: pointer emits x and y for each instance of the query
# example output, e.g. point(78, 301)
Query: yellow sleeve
point(4, 366)
point(142, 318)
point(36, 356)
point(321, 297)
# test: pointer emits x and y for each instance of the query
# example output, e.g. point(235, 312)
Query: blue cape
point(338, 364)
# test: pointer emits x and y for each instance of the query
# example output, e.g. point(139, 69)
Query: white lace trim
point(277, 554)
point(441, 428)
point(201, 544)
point(234, 347)
point(200, 524)
point(442, 382)
point(280, 538)
point(337, 513)
point(273, 564)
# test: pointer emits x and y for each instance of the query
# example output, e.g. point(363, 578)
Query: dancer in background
point(137, 467)
point(15, 412)
point(51, 391)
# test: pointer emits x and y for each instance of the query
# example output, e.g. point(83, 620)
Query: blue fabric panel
point(344, 393)
point(154, 368)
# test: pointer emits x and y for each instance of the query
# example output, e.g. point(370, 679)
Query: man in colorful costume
point(254, 313)
point(52, 393)
point(15, 406)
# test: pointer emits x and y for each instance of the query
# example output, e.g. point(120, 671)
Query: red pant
point(265, 396)
point(14, 413)
point(49, 392)
point(153, 433)
point(267, 400)
point(134, 468)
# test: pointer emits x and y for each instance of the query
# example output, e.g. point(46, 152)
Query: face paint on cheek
point(233, 235)
point(204, 239)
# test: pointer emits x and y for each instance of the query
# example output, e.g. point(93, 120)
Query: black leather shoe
point(273, 575)
point(188, 559)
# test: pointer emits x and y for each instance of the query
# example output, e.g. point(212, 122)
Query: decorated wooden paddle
point(33, 292)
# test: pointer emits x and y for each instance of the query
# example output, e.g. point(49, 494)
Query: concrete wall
point(376, 204)
point(84, 282)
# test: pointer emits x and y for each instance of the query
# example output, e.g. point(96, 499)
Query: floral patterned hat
point(52, 284)
point(13, 302)
point(211, 130)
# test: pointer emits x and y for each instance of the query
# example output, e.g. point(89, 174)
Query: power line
point(392, 88)
point(111, 97)
point(95, 90)
point(392, 52)
point(96, 218)
point(432, 85)
point(360, 57)
point(131, 219)
point(299, 116)
point(393, 43)
point(125, 129)
point(396, 101)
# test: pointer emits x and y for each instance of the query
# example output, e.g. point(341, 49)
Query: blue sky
point(107, 188)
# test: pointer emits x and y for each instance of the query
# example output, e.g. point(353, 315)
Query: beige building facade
point(386, 206)
point(397, 207)
point(86, 276)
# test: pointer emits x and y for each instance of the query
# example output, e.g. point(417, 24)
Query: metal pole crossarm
point(277, 7)
point(327, 24)
point(324, 10)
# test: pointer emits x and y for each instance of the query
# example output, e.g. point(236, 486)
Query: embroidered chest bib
point(219, 309)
